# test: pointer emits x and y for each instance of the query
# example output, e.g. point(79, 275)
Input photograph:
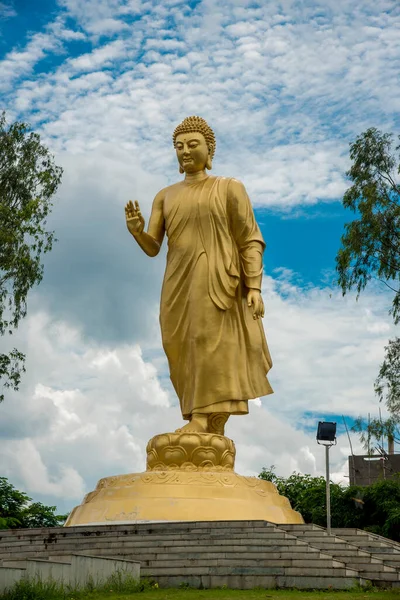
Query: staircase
point(236, 554)
point(355, 556)
point(387, 550)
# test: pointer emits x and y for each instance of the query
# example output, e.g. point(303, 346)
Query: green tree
point(375, 508)
point(375, 430)
point(12, 503)
point(387, 384)
point(371, 243)
point(307, 495)
point(17, 510)
point(28, 180)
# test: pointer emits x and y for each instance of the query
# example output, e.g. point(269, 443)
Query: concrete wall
point(78, 571)
point(99, 569)
point(46, 570)
point(9, 577)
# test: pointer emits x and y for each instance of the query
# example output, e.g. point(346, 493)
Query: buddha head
point(194, 142)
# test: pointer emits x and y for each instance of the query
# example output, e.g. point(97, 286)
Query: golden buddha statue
point(212, 333)
point(211, 304)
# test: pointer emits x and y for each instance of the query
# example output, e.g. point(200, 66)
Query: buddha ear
point(209, 163)
point(181, 169)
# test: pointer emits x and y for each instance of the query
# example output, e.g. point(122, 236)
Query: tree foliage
point(375, 508)
point(371, 242)
point(28, 180)
point(387, 384)
point(306, 494)
point(375, 430)
point(17, 510)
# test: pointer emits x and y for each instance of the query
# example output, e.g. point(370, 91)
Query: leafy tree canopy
point(375, 508)
point(371, 242)
point(374, 431)
point(17, 510)
point(387, 384)
point(28, 180)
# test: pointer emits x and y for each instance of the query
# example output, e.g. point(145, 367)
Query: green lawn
point(180, 594)
point(53, 591)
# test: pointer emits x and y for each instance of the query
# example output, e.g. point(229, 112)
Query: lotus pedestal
point(189, 477)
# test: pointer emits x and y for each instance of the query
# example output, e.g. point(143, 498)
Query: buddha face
point(191, 151)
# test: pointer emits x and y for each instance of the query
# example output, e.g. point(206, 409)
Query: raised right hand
point(134, 219)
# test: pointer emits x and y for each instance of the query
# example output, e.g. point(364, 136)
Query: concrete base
point(178, 495)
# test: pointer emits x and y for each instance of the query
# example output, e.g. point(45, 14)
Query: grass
point(117, 590)
point(117, 584)
point(178, 594)
point(174, 594)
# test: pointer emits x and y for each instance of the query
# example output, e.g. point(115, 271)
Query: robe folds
point(217, 353)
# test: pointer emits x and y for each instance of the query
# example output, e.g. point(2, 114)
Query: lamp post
point(326, 436)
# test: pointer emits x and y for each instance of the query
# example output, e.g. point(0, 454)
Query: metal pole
point(328, 493)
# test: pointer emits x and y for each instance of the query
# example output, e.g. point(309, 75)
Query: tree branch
point(385, 282)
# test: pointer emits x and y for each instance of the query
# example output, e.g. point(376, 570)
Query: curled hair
point(197, 125)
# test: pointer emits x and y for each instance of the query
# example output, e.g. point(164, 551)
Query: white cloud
point(108, 26)
point(25, 462)
point(100, 57)
point(287, 86)
point(7, 10)
point(87, 409)
point(20, 62)
point(315, 333)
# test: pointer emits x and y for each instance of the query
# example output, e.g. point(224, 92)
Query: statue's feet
point(197, 424)
point(206, 423)
point(216, 422)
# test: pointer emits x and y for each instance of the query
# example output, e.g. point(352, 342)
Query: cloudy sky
point(286, 85)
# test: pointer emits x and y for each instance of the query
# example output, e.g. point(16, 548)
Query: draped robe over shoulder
point(217, 353)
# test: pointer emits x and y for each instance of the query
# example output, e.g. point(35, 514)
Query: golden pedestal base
point(189, 477)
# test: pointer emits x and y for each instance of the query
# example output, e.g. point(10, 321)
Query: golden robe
point(217, 353)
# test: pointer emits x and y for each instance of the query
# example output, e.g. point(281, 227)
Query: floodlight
point(326, 435)
point(326, 431)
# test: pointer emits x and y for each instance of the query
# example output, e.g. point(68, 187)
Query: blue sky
point(20, 19)
point(286, 85)
point(306, 243)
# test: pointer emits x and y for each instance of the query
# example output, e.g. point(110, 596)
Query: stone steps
point(388, 551)
point(135, 548)
point(170, 528)
point(165, 541)
point(375, 546)
point(239, 554)
point(213, 554)
point(368, 565)
point(363, 533)
point(260, 570)
point(173, 553)
point(206, 561)
point(246, 582)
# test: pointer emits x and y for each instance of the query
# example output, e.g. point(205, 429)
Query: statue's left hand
point(255, 301)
